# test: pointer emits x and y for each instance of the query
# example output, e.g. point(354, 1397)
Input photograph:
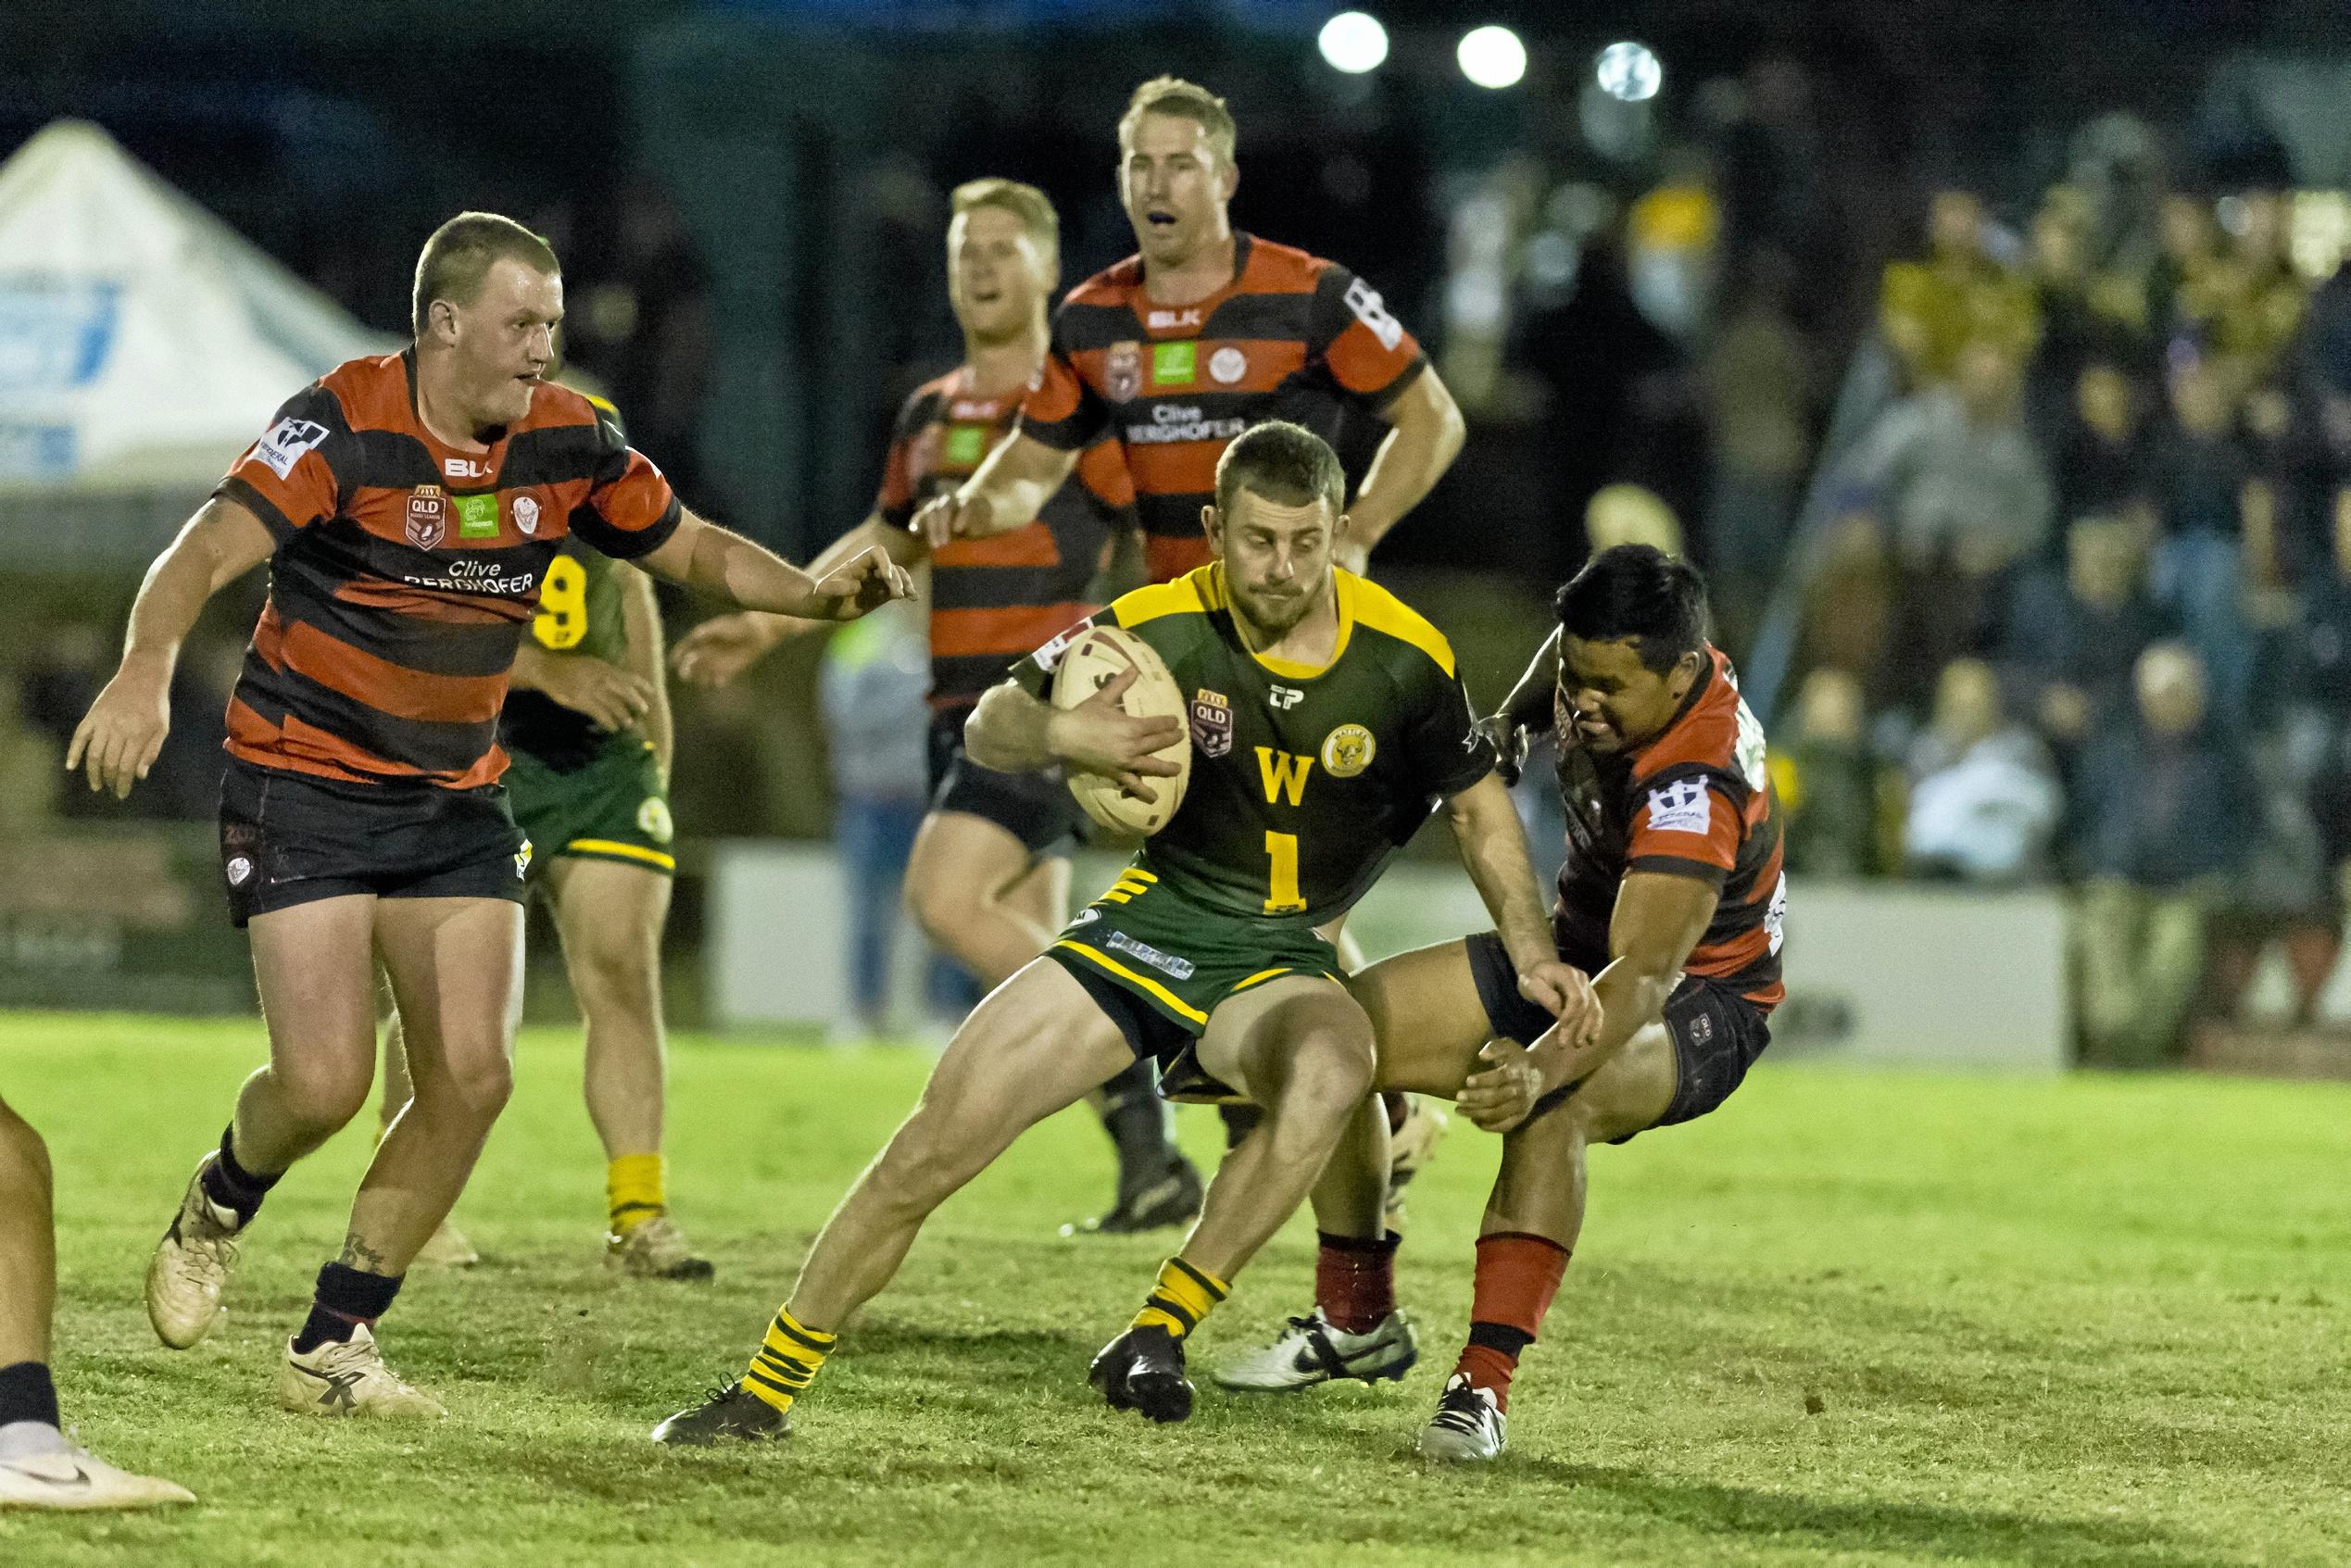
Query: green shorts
point(1159, 963)
point(611, 807)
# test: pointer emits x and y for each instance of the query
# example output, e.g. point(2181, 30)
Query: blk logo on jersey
point(464, 468)
point(428, 516)
point(1212, 723)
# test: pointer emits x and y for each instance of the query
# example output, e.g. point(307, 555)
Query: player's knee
point(1333, 1063)
point(615, 969)
point(944, 908)
point(479, 1084)
point(24, 1158)
point(323, 1095)
point(923, 1167)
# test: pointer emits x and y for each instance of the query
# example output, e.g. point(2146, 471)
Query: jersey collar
point(1142, 305)
point(1342, 587)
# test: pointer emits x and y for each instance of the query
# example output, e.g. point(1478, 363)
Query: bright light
point(1491, 56)
point(1353, 43)
point(1628, 71)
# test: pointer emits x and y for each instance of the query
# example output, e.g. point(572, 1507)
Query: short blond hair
point(1031, 205)
point(1174, 95)
point(460, 253)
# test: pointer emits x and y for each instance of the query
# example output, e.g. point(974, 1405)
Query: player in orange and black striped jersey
point(987, 880)
point(1672, 897)
point(1202, 333)
point(409, 507)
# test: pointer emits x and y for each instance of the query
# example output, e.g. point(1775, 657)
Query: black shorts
point(1037, 809)
point(289, 839)
point(1717, 1033)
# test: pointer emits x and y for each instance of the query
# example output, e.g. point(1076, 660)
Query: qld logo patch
point(1348, 751)
point(1683, 806)
point(428, 516)
point(1212, 723)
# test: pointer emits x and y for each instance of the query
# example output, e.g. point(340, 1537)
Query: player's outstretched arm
point(1493, 849)
point(718, 650)
point(1007, 491)
point(1013, 732)
point(121, 736)
point(1424, 436)
point(723, 564)
point(1527, 713)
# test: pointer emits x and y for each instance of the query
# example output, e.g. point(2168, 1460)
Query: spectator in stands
point(2184, 287)
point(1836, 794)
point(1983, 797)
point(1931, 310)
point(2318, 706)
point(2074, 637)
point(1760, 421)
point(648, 328)
point(2259, 297)
point(2200, 476)
point(2101, 458)
point(2174, 812)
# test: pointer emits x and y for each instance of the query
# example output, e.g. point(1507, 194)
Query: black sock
point(28, 1394)
point(231, 1186)
point(1240, 1122)
point(347, 1298)
point(1135, 1120)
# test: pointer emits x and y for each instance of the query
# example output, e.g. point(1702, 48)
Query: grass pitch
point(1849, 1319)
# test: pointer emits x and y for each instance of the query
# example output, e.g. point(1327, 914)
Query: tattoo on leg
point(357, 1254)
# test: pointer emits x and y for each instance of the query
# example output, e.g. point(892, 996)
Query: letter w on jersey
point(1286, 775)
point(1684, 806)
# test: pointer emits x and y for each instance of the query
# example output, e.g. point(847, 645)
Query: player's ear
point(1213, 526)
point(1228, 181)
point(440, 321)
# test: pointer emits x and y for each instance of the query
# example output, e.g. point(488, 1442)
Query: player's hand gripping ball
point(1107, 661)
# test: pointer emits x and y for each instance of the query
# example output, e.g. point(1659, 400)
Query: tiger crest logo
point(1348, 751)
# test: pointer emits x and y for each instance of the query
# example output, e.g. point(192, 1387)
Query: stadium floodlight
point(1354, 42)
point(1628, 72)
point(1491, 56)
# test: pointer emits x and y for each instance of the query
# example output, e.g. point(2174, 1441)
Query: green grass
point(2090, 1322)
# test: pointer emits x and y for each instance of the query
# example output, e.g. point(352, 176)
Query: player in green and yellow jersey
point(1327, 719)
point(586, 728)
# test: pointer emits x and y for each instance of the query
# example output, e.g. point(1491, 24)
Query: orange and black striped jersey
point(1291, 337)
point(992, 600)
point(406, 570)
point(1694, 802)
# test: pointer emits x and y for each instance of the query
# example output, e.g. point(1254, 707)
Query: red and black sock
point(347, 1298)
point(1517, 1275)
point(232, 1187)
point(26, 1393)
point(1355, 1281)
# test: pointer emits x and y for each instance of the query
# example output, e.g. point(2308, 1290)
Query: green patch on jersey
point(477, 516)
point(1173, 364)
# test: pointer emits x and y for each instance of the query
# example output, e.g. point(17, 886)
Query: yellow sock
point(636, 1190)
point(1182, 1298)
point(788, 1360)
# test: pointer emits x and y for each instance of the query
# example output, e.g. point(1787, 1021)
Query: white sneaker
point(348, 1378)
point(77, 1480)
point(447, 1248)
point(1467, 1428)
point(191, 1265)
point(1311, 1350)
point(655, 1248)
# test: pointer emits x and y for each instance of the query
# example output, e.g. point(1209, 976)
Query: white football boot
point(191, 1265)
point(655, 1248)
point(1467, 1428)
point(74, 1480)
point(348, 1378)
point(447, 1248)
point(1312, 1349)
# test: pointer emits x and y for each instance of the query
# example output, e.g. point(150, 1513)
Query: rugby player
point(1204, 331)
point(40, 1467)
point(1672, 894)
point(409, 507)
point(1327, 720)
point(586, 730)
point(988, 881)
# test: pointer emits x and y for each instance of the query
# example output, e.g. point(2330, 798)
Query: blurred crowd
point(2080, 607)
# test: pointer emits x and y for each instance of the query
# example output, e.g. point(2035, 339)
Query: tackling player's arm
point(1425, 435)
point(721, 648)
point(1527, 713)
point(612, 697)
point(121, 734)
point(704, 557)
point(1007, 491)
point(1494, 850)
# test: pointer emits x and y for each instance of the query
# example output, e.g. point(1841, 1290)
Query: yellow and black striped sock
point(788, 1360)
point(635, 1189)
point(1182, 1298)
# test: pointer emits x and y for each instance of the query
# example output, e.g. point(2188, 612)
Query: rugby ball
point(1098, 657)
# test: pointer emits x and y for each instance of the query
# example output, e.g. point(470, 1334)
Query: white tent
point(144, 342)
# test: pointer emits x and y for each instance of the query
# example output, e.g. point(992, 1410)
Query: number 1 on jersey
point(1281, 889)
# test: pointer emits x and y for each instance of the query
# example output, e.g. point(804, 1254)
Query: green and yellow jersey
point(579, 616)
point(1304, 779)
